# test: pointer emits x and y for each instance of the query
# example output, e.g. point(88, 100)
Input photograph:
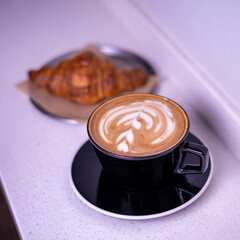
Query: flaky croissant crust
point(86, 79)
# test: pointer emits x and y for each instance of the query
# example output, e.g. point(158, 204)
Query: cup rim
point(145, 157)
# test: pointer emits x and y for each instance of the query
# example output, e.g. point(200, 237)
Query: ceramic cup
point(141, 171)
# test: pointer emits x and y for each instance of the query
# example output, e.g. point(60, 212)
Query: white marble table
point(36, 151)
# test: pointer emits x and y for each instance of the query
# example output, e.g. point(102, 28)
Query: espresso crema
point(138, 125)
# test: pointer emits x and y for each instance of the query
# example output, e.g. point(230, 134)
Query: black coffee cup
point(141, 172)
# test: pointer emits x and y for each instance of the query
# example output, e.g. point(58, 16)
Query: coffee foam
point(146, 124)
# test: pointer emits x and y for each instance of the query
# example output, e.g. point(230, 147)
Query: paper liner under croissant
point(59, 107)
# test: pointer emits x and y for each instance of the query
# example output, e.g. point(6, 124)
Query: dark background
point(7, 228)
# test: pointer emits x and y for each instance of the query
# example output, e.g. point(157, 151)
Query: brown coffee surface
point(138, 125)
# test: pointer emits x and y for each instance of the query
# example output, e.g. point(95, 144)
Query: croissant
point(86, 79)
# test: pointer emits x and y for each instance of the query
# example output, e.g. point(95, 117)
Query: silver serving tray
point(122, 56)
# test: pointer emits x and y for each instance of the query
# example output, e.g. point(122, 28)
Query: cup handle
point(193, 168)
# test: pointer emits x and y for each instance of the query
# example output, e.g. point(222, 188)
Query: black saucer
point(94, 189)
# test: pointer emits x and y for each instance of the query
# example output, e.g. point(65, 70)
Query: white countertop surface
point(36, 151)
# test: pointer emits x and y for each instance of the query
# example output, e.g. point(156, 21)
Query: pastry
point(86, 79)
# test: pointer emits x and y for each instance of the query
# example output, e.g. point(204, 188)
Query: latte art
point(146, 124)
point(151, 118)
